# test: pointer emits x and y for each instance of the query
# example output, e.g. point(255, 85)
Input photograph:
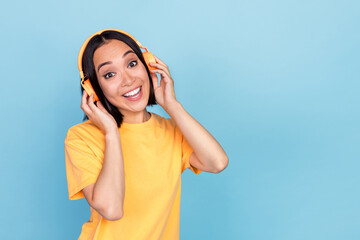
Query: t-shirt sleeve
point(82, 165)
point(186, 153)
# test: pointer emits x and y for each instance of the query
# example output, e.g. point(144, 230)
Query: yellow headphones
point(85, 81)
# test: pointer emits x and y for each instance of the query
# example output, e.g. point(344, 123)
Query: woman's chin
point(139, 107)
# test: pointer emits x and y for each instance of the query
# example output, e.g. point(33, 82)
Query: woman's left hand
point(165, 93)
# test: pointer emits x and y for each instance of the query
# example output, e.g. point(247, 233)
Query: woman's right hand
point(98, 114)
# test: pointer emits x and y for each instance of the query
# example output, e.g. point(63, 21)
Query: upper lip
point(131, 90)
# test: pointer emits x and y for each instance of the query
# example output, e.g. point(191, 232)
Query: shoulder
point(163, 122)
point(83, 131)
point(167, 126)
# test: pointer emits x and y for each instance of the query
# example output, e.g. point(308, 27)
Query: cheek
point(107, 89)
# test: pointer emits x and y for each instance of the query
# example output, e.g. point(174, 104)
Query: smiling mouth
point(132, 93)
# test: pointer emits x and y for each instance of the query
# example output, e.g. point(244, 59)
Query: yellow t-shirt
point(155, 154)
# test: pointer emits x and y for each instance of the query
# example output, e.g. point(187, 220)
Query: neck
point(138, 117)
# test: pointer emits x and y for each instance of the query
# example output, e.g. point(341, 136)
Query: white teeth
point(132, 93)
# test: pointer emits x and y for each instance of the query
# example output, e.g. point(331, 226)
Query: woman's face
point(122, 77)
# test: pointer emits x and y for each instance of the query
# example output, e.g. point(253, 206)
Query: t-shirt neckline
point(138, 125)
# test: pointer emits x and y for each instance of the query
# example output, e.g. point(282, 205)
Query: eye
point(108, 75)
point(132, 64)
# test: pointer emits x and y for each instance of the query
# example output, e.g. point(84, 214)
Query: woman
point(126, 161)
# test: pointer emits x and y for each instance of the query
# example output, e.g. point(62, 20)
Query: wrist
point(173, 108)
point(112, 133)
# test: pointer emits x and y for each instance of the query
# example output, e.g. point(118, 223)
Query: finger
point(160, 66)
point(84, 105)
point(159, 60)
point(162, 83)
point(84, 96)
point(101, 107)
point(155, 80)
point(91, 103)
point(163, 74)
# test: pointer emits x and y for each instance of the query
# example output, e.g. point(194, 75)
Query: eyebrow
point(109, 62)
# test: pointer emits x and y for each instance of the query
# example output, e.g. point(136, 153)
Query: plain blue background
point(276, 82)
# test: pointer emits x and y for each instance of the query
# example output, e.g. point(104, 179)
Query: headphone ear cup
point(149, 58)
point(89, 89)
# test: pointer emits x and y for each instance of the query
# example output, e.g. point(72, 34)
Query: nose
point(126, 79)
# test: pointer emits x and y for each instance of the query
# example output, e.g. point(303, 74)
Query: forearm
point(109, 189)
point(205, 146)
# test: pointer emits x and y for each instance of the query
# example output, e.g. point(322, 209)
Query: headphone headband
point(82, 49)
